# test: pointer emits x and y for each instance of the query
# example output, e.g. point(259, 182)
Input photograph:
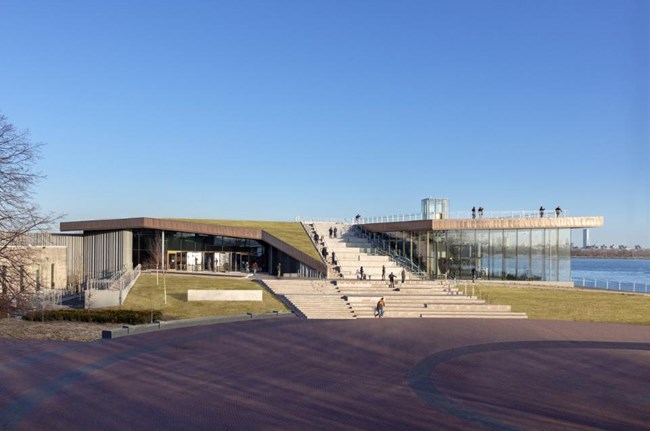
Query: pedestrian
point(254, 267)
point(473, 212)
point(403, 275)
point(324, 251)
point(334, 231)
point(480, 212)
point(381, 304)
point(558, 211)
point(391, 279)
point(247, 268)
point(357, 218)
point(383, 272)
point(279, 270)
point(331, 231)
point(541, 212)
point(473, 275)
point(333, 258)
point(316, 237)
point(363, 277)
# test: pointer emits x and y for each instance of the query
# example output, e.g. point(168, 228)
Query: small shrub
point(131, 317)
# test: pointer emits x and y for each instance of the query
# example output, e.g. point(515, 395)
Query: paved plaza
point(294, 374)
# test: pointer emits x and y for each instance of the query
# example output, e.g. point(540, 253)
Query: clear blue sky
point(274, 109)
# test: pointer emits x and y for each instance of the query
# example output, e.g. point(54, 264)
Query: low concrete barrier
point(187, 323)
point(224, 295)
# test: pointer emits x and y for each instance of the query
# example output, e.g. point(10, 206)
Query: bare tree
point(19, 215)
point(156, 260)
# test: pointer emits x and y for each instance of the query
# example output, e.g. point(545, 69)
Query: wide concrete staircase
point(357, 299)
point(345, 296)
point(421, 299)
point(352, 253)
point(313, 299)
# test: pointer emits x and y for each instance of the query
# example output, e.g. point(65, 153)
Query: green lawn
point(290, 232)
point(556, 304)
point(145, 295)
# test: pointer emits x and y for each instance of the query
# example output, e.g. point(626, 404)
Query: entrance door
point(177, 260)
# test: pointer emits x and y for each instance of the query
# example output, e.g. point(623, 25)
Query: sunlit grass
point(579, 305)
point(290, 232)
point(146, 295)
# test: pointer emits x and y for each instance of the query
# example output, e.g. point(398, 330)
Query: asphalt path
point(293, 374)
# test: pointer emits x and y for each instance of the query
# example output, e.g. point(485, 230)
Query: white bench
point(224, 295)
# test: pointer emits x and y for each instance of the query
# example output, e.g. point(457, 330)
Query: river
point(630, 274)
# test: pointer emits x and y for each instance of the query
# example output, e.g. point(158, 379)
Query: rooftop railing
point(519, 214)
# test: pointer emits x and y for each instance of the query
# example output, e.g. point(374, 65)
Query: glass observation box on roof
point(435, 208)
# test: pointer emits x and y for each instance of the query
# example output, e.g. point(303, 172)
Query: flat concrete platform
point(293, 374)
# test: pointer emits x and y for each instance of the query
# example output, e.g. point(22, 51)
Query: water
point(632, 274)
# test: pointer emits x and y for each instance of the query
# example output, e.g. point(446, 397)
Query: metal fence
point(517, 214)
point(117, 281)
point(623, 286)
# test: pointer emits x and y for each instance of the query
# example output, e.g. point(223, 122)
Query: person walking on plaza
point(334, 231)
point(541, 212)
point(279, 270)
point(363, 277)
point(381, 304)
point(331, 231)
point(403, 275)
point(473, 275)
point(473, 212)
point(480, 212)
point(558, 211)
point(383, 272)
point(254, 267)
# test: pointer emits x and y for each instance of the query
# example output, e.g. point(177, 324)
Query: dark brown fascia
point(161, 224)
point(488, 224)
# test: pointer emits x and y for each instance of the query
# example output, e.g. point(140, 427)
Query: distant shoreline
point(612, 257)
point(609, 253)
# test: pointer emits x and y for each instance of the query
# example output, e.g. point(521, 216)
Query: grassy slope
point(554, 304)
point(145, 295)
point(290, 232)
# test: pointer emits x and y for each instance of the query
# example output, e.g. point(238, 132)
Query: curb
point(126, 330)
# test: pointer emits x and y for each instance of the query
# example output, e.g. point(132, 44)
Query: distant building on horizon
point(585, 238)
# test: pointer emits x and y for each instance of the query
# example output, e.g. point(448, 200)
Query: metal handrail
point(378, 249)
point(118, 281)
point(622, 286)
point(516, 214)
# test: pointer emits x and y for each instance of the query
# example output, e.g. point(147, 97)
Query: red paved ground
point(290, 374)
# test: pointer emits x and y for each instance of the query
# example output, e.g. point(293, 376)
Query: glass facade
point(514, 254)
point(198, 252)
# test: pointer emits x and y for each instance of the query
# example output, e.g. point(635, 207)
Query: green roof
point(290, 232)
